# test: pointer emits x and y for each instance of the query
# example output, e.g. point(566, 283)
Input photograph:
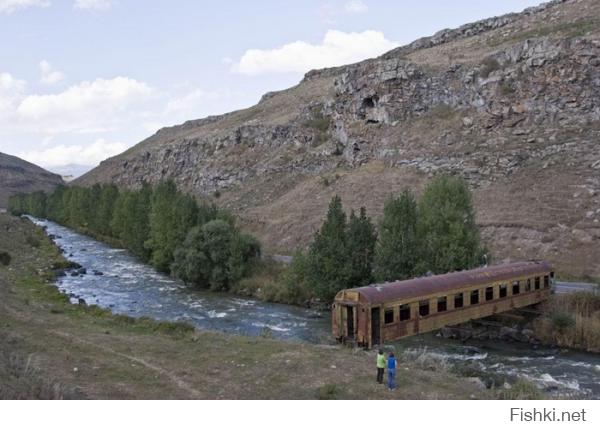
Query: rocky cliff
point(20, 176)
point(512, 104)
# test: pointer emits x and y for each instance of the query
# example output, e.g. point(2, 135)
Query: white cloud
point(93, 4)
point(9, 6)
point(356, 7)
point(62, 155)
point(85, 107)
point(49, 74)
point(11, 91)
point(336, 49)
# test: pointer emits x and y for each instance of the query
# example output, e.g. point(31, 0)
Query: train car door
point(375, 326)
point(350, 321)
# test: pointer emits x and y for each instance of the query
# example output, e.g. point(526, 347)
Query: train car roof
point(401, 290)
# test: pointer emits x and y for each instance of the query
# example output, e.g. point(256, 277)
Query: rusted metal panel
point(364, 322)
point(423, 287)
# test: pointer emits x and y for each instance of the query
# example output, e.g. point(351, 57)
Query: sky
point(83, 80)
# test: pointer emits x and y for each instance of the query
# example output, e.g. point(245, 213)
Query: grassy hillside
point(508, 103)
point(20, 176)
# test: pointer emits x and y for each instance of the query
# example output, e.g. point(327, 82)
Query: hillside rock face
point(20, 176)
point(511, 104)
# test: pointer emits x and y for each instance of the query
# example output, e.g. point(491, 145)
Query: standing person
point(391, 367)
point(380, 366)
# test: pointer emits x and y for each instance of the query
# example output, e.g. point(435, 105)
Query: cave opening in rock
point(369, 102)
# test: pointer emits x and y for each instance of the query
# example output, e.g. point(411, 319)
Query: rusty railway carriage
point(374, 314)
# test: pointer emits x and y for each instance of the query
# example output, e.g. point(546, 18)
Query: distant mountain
point(511, 104)
point(20, 176)
point(71, 171)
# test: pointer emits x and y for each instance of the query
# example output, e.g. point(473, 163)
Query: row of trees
point(198, 243)
point(435, 234)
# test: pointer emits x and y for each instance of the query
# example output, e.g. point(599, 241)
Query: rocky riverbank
point(494, 328)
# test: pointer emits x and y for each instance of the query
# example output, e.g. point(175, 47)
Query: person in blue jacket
point(391, 371)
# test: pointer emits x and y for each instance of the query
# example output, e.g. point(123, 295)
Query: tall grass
point(269, 282)
point(521, 390)
point(21, 380)
point(571, 320)
point(426, 360)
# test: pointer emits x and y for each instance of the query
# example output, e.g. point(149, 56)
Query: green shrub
point(124, 319)
point(174, 328)
point(5, 258)
point(97, 311)
point(561, 321)
point(215, 255)
point(443, 111)
point(489, 65)
point(33, 241)
point(319, 122)
point(328, 392)
point(64, 265)
point(266, 333)
point(506, 88)
point(521, 390)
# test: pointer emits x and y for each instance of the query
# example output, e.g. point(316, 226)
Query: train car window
point(546, 281)
point(458, 300)
point(474, 297)
point(424, 308)
point(404, 312)
point(489, 294)
point(528, 285)
point(388, 316)
point(536, 283)
point(516, 287)
point(503, 290)
point(442, 304)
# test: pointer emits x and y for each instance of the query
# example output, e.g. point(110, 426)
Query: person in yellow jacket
point(380, 366)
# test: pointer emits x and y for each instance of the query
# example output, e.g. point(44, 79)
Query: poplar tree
point(446, 225)
point(397, 248)
point(361, 238)
point(328, 254)
point(161, 218)
point(103, 208)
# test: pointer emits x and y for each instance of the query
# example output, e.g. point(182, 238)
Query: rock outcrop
point(511, 103)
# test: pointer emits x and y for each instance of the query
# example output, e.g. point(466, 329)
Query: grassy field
point(50, 348)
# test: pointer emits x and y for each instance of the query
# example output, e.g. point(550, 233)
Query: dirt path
point(180, 383)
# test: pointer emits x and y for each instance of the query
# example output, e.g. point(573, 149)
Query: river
point(116, 280)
